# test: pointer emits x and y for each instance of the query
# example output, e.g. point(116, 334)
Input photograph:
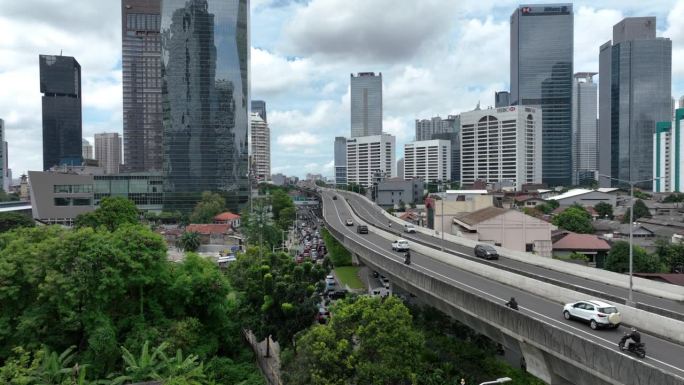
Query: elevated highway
point(555, 350)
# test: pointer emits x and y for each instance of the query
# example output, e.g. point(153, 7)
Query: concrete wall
point(514, 230)
point(552, 354)
point(452, 208)
point(43, 195)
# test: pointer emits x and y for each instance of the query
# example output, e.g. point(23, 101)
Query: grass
point(349, 275)
point(336, 252)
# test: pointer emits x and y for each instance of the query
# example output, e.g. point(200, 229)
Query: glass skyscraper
point(634, 94)
point(205, 94)
point(60, 84)
point(366, 104)
point(541, 75)
point(259, 106)
point(142, 99)
point(584, 129)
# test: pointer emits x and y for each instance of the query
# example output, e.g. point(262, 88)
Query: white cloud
point(675, 31)
point(295, 141)
point(593, 27)
point(273, 74)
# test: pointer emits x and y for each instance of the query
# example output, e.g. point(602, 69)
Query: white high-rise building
point(108, 151)
point(368, 154)
point(86, 149)
point(502, 145)
point(366, 104)
point(668, 150)
point(584, 128)
point(429, 160)
point(4, 173)
point(261, 148)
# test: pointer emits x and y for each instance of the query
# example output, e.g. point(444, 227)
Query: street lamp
point(630, 300)
point(497, 381)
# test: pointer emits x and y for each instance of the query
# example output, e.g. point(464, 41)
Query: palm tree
point(189, 241)
point(54, 368)
point(148, 366)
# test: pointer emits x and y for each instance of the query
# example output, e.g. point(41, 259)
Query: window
point(62, 201)
point(81, 201)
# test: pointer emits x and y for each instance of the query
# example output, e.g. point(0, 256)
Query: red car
point(322, 316)
point(299, 259)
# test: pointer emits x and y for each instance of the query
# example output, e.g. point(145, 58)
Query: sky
point(437, 57)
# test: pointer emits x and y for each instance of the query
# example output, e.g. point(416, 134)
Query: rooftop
point(212, 228)
point(475, 217)
point(574, 241)
point(227, 216)
point(480, 192)
point(571, 193)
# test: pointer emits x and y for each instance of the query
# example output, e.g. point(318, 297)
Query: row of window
point(73, 188)
point(72, 202)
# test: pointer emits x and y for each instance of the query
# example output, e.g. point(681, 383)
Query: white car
point(400, 245)
point(596, 313)
point(409, 228)
point(349, 222)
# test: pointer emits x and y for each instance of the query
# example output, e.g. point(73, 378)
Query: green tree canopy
point(676, 197)
point(208, 207)
point(604, 210)
point(368, 341)
point(576, 219)
point(280, 201)
point(189, 241)
point(112, 213)
point(11, 220)
point(671, 255)
point(640, 211)
point(618, 259)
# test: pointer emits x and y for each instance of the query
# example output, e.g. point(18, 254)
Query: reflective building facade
point(366, 104)
point(142, 99)
point(634, 94)
point(584, 129)
point(541, 75)
point(259, 106)
point(205, 94)
point(60, 84)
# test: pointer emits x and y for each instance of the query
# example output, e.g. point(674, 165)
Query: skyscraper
point(429, 160)
point(205, 94)
point(142, 98)
point(368, 156)
point(60, 83)
point(108, 151)
point(261, 148)
point(86, 149)
point(668, 149)
point(3, 156)
point(541, 75)
point(502, 99)
point(634, 94)
point(426, 128)
point(584, 128)
point(366, 104)
point(259, 106)
point(340, 160)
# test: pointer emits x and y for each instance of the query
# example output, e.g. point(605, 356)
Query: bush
point(336, 252)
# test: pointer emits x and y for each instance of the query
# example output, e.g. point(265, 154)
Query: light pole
point(497, 381)
point(630, 299)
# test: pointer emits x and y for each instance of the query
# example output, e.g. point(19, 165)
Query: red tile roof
point(227, 216)
point(574, 241)
point(675, 279)
point(213, 228)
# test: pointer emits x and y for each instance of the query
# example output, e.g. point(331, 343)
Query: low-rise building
point(595, 248)
point(583, 197)
point(507, 228)
point(228, 218)
point(391, 192)
point(442, 208)
point(212, 233)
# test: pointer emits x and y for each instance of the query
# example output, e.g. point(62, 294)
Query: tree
point(676, 197)
point(548, 206)
point(112, 213)
point(5, 197)
point(640, 211)
point(368, 341)
point(287, 217)
point(671, 255)
point(208, 207)
point(258, 226)
point(280, 201)
point(575, 219)
point(355, 187)
point(402, 205)
point(641, 195)
point(189, 241)
point(604, 210)
point(618, 259)
point(11, 220)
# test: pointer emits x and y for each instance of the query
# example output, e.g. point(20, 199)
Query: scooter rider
point(512, 304)
point(407, 257)
point(633, 337)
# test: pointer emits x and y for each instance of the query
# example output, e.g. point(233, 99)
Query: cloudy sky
point(437, 57)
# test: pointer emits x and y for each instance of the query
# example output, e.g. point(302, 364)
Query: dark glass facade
point(541, 75)
point(60, 84)
point(142, 99)
point(205, 94)
point(639, 72)
point(453, 138)
point(259, 106)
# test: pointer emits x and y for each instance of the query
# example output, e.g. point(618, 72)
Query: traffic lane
point(379, 220)
point(661, 353)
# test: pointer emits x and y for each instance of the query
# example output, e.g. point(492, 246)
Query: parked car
point(334, 197)
point(329, 283)
point(362, 229)
point(400, 245)
point(486, 251)
point(322, 315)
point(314, 254)
point(598, 314)
point(337, 294)
point(409, 228)
point(349, 222)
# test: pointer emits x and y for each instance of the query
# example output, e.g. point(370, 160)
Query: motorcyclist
point(633, 337)
point(407, 257)
point(512, 304)
point(389, 223)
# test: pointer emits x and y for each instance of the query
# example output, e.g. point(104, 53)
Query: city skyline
point(472, 40)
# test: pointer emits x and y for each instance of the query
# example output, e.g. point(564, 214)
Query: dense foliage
point(676, 197)
point(618, 259)
point(339, 256)
point(604, 210)
point(112, 213)
point(640, 211)
point(547, 207)
point(575, 219)
point(10, 220)
point(208, 207)
point(189, 241)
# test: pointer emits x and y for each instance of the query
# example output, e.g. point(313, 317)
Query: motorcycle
point(512, 304)
point(638, 349)
point(407, 259)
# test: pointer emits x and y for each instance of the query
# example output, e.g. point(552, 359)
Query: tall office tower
point(340, 160)
point(366, 104)
point(205, 94)
point(455, 139)
point(400, 168)
point(86, 149)
point(541, 75)
point(426, 128)
point(259, 106)
point(367, 155)
point(634, 94)
point(668, 149)
point(681, 102)
point(142, 96)
point(108, 151)
point(261, 148)
point(3, 157)
point(584, 129)
point(7, 172)
point(502, 99)
point(60, 83)
point(429, 160)
point(502, 145)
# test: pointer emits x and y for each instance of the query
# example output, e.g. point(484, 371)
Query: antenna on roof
point(60, 52)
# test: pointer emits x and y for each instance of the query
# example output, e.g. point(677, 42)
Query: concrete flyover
point(555, 350)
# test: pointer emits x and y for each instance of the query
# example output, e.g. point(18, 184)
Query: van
point(362, 229)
